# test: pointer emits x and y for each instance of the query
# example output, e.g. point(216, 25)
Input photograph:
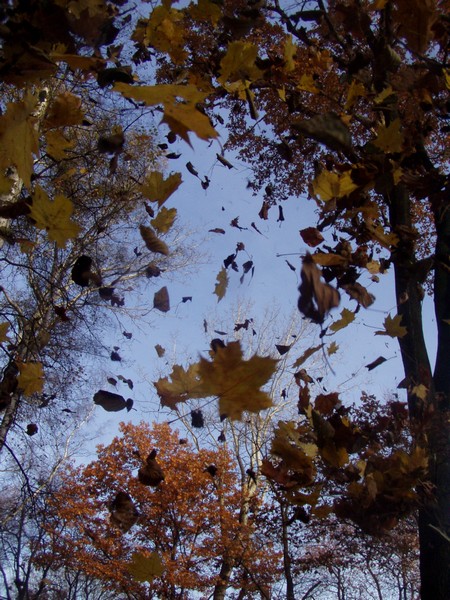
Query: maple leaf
point(329, 185)
point(239, 63)
point(307, 84)
point(31, 378)
point(57, 144)
point(222, 284)
point(347, 317)
point(332, 348)
point(145, 568)
point(390, 139)
point(164, 219)
point(306, 354)
point(235, 381)
point(356, 90)
point(182, 385)
point(54, 217)
point(157, 189)
point(393, 327)
point(18, 140)
point(65, 110)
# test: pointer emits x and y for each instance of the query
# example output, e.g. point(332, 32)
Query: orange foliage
point(191, 519)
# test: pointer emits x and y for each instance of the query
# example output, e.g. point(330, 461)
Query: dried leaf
point(164, 219)
point(311, 236)
point(31, 378)
point(151, 473)
point(160, 351)
point(123, 512)
point(347, 317)
point(222, 284)
point(157, 189)
point(393, 327)
point(54, 216)
point(112, 402)
point(161, 300)
point(184, 385)
point(145, 568)
point(153, 243)
point(375, 363)
point(316, 297)
point(306, 354)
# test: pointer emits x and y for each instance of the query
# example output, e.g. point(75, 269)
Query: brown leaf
point(311, 236)
point(123, 512)
point(316, 297)
point(161, 300)
point(325, 403)
point(152, 241)
point(376, 363)
point(359, 293)
point(151, 473)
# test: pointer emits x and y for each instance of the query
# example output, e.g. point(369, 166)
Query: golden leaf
point(54, 217)
point(205, 10)
point(235, 381)
point(381, 97)
point(387, 240)
point(347, 317)
point(329, 185)
point(18, 140)
point(181, 385)
point(393, 327)
point(329, 259)
point(157, 189)
point(65, 110)
point(57, 144)
point(145, 568)
point(306, 354)
point(355, 91)
point(332, 348)
point(390, 139)
point(307, 84)
point(164, 219)
point(239, 63)
point(420, 391)
point(222, 284)
point(3, 331)
point(164, 34)
point(153, 243)
point(290, 50)
point(31, 378)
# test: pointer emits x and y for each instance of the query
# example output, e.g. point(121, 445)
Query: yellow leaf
point(65, 110)
point(157, 189)
point(373, 266)
point(153, 243)
point(282, 94)
point(329, 259)
point(54, 217)
point(145, 568)
point(222, 284)
point(290, 50)
point(180, 106)
point(3, 331)
point(239, 63)
point(183, 385)
point(164, 33)
point(446, 73)
point(387, 240)
point(332, 348)
point(390, 139)
point(381, 97)
point(307, 84)
point(235, 381)
point(205, 10)
point(393, 327)
point(18, 140)
point(420, 391)
point(347, 317)
point(57, 144)
point(356, 90)
point(31, 378)
point(164, 219)
point(306, 354)
point(329, 185)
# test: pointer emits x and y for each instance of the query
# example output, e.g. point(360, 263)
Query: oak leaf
point(236, 381)
point(54, 216)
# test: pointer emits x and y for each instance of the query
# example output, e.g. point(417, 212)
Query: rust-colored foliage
point(190, 520)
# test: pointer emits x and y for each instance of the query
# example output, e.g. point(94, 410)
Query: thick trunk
point(430, 417)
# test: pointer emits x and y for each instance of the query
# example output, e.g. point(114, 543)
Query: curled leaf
point(316, 297)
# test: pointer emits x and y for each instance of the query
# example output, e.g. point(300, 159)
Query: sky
point(181, 330)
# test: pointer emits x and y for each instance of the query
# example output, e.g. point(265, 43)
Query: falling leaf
point(58, 144)
point(65, 110)
point(236, 381)
point(3, 331)
point(54, 217)
point(326, 403)
point(145, 568)
point(217, 230)
point(31, 378)
point(151, 472)
point(115, 356)
point(197, 419)
point(153, 243)
point(222, 284)
point(160, 351)
point(180, 386)
point(355, 91)
point(32, 429)
point(329, 259)
point(420, 391)
point(387, 240)
point(316, 297)
point(127, 334)
point(282, 349)
point(311, 236)
point(377, 362)
point(307, 83)
point(224, 161)
point(306, 354)
point(157, 189)
point(347, 317)
point(161, 300)
point(124, 514)
point(112, 402)
point(332, 348)
point(329, 185)
point(390, 139)
point(290, 50)
point(239, 63)
point(393, 327)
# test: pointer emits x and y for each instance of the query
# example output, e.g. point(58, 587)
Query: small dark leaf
point(222, 437)
point(110, 144)
point(197, 418)
point(205, 183)
point(229, 260)
point(161, 300)
point(173, 155)
point(109, 401)
point(280, 214)
point(127, 335)
point(282, 349)
point(112, 381)
point(32, 429)
point(160, 351)
point(212, 470)
point(113, 75)
point(182, 441)
point(292, 268)
point(377, 362)
point(186, 299)
point(152, 271)
point(151, 473)
point(61, 312)
point(81, 271)
point(123, 512)
point(224, 161)
point(235, 223)
point(190, 167)
point(217, 230)
point(217, 343)
point(220, 332)
point(115, 356)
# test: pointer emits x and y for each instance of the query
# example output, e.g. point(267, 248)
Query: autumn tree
point(185, 516)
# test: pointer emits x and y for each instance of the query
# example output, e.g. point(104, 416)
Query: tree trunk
point(430, 417)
